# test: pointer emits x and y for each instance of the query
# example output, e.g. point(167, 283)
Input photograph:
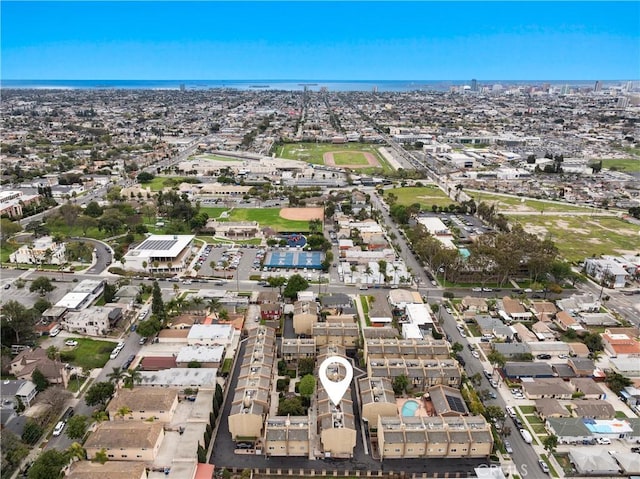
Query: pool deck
point(425, 408)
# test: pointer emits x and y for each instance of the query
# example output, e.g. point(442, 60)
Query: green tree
point(291, 407)
point(99, 394)
point(77, 426)
point(157, 304)
point(17, 319)
point(42, 285)
point(495, 412)
point(457, 347)
point(145, 177)
point(116, 375)
point(48, 465)
point(496, 358)
point(400, 384)
point(76, 451)
point(109, 292)
point(32, 432)
point(13, 450)
point(7, 229)
point(295, 284)
point(93, 209)
point(307, 385)
point(306, 366)
point(132, 377)
point(39, 380)
point(101, 456)
point(617, 382)
point(277, 282)
point(148, 327)
point(219, 395)
point(41, 305)
point(550, 443)
point(593, 341)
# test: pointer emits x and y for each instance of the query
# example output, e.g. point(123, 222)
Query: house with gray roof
point(494, 326)
point(593, 462)
point(569, 430)
point(550, 407)
point(512, 350)
point(594, 409)
point(517, 370)
point(546, 388)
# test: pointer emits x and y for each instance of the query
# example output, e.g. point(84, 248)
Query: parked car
point(59, 427)
point(605, 441)
point(543, 466)
point(543, 356)
point(71, 342)
point(507, 447)
point(54, 332)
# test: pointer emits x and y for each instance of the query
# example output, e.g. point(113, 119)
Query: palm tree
point(101, 456)
point(123, 411)
point(382, 265)
point(197, 302)
point(214, 304)
point(132, 376)
point(116, 376)
point(368, 272)
point(354, 268)
point(100, 416)
point(76, 452)
point(395, 273)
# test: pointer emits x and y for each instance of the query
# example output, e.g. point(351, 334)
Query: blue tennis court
point(294, 259)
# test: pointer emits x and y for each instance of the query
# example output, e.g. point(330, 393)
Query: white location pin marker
point(335, 389)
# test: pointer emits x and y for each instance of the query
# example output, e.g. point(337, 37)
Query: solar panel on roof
point(455, 403)
point(156, 245)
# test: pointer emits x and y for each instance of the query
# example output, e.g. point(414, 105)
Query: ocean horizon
point(288, 85)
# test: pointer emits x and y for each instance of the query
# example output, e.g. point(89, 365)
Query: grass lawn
point(89, 353)
point(6, 250)
point(578, 237)
point(527, 409)
point(425, 195)
point(620, 415)
point(538, 428)
point(313, 153)
point(76, 384)
point(506, 203)
point(565, 463)
point(69, 231)
point(265, 217)
point(160, 182)
point(627, 165)
point(350, 158)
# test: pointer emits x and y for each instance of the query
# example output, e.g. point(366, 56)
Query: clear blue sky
point(320, 40)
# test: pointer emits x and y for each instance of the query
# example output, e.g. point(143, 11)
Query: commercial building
point(160, 254)
point(210, 335)
point(86, 292)
point(93, 321)
point(204, 356)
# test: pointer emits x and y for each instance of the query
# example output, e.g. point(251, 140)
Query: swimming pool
point(409, 408)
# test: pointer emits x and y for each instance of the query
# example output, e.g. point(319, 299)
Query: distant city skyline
point(155, 40)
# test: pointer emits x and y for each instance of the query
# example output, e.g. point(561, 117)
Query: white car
point(54, 332)
point(475, 354)
point(71, 342)
point(605, 441)
point(476, 290)
point(59, 427)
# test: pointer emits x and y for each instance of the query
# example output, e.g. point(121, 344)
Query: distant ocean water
point(288, 85)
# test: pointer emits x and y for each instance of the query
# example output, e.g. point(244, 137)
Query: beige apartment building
point(422, 374)
point(110, 470)
point(377, 398)
point(305, 315)
point(434, 437)
point(144, 403)
point(427, 348)
point(126, 440)
point(252, 398)
point(336, 425)
point(287, 436)
point(343, 334)
point(294, 349)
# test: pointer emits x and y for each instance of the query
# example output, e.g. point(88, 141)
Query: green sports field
point(349, 158)
point(425, 195)
point(264, 216)
point(313, 153)
point(626, 165)
point(161, 182)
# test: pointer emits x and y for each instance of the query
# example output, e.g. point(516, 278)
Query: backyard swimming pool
point(409, 408)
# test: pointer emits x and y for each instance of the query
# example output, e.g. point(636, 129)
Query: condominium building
point(287, 436)
point(434, 437)
point(422, 373)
